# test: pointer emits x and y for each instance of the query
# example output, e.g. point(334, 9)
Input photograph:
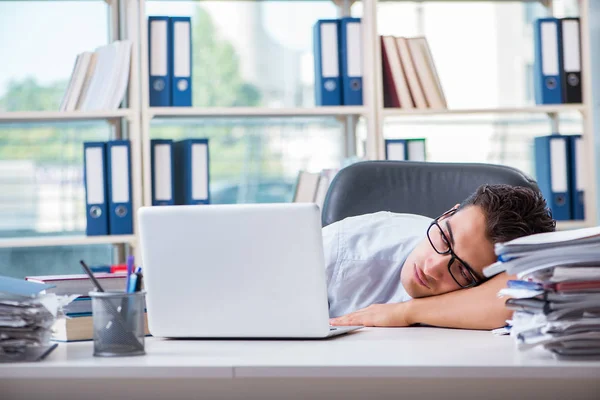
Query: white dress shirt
point(364, 256)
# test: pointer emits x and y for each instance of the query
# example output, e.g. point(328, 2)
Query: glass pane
point(36, 68)
point(251, 53)
point(506, 139)
point(258, 160)
point(483, 51)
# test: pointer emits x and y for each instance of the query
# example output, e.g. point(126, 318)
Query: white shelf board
point(558, 108)
point(47, 116)
point(228, 112)
point(46, 241)
point(567, 225)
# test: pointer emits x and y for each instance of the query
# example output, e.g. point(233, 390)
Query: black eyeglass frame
point(475, 280)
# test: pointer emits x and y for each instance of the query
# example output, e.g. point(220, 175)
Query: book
point(80, 283)
point(79, 328)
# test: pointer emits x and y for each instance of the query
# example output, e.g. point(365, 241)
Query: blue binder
point(396, 149)
point(180, 60)
point(118, 156)
point(192, 176)
point(94, 178)
point(163, 172)
point(328, 83)
point(576, 169)
point(552, 173)
point(548, 61)
point(158, 61)
point(351, 61)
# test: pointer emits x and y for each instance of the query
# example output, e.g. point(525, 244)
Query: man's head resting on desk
point(460, 243)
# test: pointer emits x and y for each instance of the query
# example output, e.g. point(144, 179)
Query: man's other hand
point(376, 315)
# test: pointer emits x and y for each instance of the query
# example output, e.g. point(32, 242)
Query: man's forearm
point(475, 308)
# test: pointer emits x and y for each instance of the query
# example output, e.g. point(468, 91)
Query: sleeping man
point(387, 269)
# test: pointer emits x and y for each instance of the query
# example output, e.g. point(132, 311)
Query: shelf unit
point(129, 21)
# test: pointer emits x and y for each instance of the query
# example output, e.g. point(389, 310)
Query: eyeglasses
point(460, 271)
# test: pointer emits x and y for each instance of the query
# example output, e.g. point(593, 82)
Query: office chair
point(424, 188)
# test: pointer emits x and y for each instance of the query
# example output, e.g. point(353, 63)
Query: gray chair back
point(424, 188)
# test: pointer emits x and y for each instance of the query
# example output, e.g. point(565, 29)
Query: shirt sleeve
point(331, 245)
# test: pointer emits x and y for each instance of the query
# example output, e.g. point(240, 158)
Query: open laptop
point(235, 271)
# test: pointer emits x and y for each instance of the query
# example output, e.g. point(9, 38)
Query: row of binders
point(410, 78)
point(556, 296)
point(338, 62)
point(405, 150)
point(180, 172)
point(557, 67)
point(107, 179)
point(170, 61)
point(99, 79)
point(559, 170)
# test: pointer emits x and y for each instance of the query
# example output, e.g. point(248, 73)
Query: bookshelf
point(129, 21)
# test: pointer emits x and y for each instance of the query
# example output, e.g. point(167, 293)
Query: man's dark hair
point(511, 211)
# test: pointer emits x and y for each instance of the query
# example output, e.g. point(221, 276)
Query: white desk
point(371, 363)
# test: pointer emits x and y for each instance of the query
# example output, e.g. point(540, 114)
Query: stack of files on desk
point(556, 296)
point(99, 79)
point(410, 78)
point(80, 283)
point(74, 328)
point(557, 66)
point(26, 318)
point(107, 180)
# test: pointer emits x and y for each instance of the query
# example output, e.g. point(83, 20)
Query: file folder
point(118, 155)
point(180, 35)
point(351, 61)
point(552, 173)
point(328, 85)
point(94, 178)
point(395, 149)
point(548, 63)
point(571, 60)
point(158, 60)
point(415, 150)
point(163, 172)
point(577, 170)
point(192, 171)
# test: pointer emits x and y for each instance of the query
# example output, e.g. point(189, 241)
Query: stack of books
point(556, 296)
point(99, 79)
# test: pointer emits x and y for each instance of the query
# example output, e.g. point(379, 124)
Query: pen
point(91, 275)
point(130, 263)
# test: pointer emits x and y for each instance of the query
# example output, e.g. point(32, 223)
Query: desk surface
point(370, 352)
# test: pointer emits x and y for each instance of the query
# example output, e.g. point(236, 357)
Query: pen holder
point(118, 319)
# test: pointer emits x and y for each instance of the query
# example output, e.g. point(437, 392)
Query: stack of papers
point(26, 318)
point(556, 296)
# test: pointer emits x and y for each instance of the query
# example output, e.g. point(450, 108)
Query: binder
point(415, 150)
point(328, 84)
point(163, 172)
point(94, 178)
point(351, 61)
point(180, 58)
point(118, 160)
point(551, 168)
point(395, 149)
point(192, 171)
point(577, 170)
point(548, 63)
point(158, 60)
point(571, 60)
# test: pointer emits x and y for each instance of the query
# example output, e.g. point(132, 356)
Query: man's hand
point(376, 315)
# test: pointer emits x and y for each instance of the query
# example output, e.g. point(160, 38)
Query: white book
point(427, 76)
point(122, 78)
point(306, 187)
point(65, 99)
point(78, 81)
point(100, 78)
point(89, 73)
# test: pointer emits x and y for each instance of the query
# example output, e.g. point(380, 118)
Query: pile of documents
point(556, 296)
point(26, 318)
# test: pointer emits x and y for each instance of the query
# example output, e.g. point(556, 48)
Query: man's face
point(425, 272)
